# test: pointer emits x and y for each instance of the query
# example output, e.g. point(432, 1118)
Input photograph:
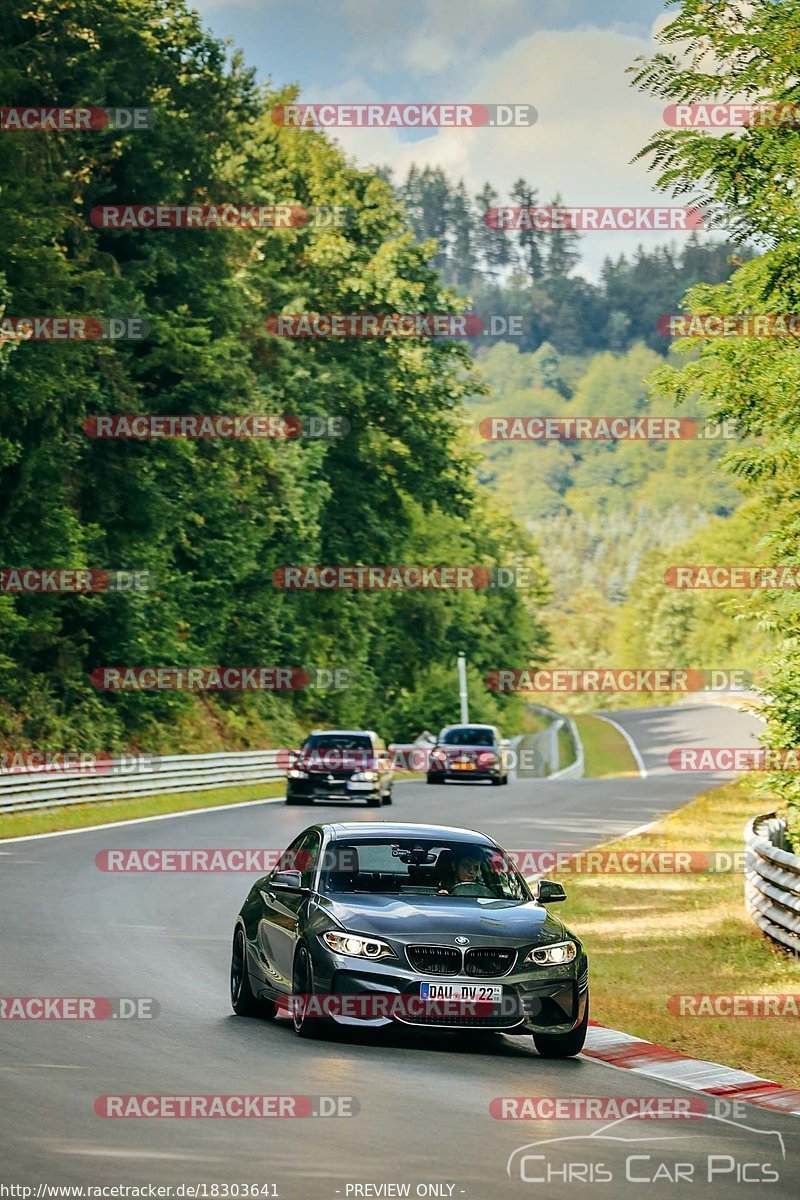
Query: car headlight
point(355, 945)
point(295, 773)
point(551, 956)
point(364, 777)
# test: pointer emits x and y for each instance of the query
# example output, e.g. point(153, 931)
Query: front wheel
point(375, 801)
point(243, 1002)
point(387, 799)
point(431, 778)
point(563, 1045)
point(305, 1025)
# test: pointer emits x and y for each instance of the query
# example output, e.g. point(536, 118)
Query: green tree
point(746, 180)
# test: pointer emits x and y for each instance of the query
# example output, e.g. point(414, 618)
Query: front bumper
point(476, 773)
point(534, 999)
point(323, 788)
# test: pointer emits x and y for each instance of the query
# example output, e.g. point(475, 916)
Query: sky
point(568, 58)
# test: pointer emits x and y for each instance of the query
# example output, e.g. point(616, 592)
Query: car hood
point(408, 918)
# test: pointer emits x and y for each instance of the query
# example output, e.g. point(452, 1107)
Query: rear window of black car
point(468, 737)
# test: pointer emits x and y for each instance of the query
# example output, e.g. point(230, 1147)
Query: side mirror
point(549, 892)
point(287, 881)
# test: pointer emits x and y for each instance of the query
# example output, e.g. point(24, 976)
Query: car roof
point(468, 725)
point(349, 732)
point(403, 829)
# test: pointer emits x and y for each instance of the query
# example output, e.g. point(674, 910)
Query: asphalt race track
point(69, 929)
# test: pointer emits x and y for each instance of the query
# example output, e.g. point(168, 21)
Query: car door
point(282, 914)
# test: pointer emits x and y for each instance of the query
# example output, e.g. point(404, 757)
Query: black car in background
point(469, 752)
point(366, 924)
point(341, 764)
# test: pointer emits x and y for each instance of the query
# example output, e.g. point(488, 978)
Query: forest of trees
point(609, 515)
point(210, 520)
point(533, 274)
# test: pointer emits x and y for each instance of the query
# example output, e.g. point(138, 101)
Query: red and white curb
point(712, 1079)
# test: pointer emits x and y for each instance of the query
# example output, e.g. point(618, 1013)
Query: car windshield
point(338, 741)
point(467, 736)
point(422, 867)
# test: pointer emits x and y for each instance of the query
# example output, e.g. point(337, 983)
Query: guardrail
point(119, 778)
point(547, 743)
point(141, 776)
point(772, 881)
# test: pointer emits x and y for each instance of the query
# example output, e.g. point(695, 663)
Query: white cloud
point(591, 124)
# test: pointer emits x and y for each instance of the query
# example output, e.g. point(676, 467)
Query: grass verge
point(607, 752)
point(80, 816)
point(566, 749)
point(83, 816)
point(653, 936)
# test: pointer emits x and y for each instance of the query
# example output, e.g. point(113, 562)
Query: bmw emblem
point(462, 941)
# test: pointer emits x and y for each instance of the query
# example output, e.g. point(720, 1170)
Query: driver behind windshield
point(465, 870)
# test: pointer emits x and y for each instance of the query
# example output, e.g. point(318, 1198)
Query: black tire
point(505, 780)
point(430, 778)
point(243, 1002)
point(302, 985)
point(387, 799)
point(497, 780)
point(375, 801)
point(563, 1045)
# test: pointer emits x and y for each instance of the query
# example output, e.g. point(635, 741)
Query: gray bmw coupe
point(365, 924)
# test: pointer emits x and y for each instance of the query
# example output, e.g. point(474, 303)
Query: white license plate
point(487, 993)
point(361, 787)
